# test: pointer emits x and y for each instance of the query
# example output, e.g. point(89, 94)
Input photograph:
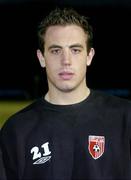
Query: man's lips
point(66, 75)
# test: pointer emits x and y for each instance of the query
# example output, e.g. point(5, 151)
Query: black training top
point(90, 140)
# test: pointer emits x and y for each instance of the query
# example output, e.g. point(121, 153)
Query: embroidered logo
point(96, 146)
point(37, 153)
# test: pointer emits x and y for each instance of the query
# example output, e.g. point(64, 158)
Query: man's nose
point(66, 57)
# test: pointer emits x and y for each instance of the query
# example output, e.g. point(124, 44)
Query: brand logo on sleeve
point(96, 146)
point(41, 154)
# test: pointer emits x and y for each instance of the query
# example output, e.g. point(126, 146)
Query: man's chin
point(66, 89)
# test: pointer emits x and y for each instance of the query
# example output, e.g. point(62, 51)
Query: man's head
point(65, 50)
point(63, 18)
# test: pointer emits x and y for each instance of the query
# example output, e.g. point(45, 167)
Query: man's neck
point(67, 98)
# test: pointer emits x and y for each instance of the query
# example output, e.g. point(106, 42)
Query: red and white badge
point(96, 146)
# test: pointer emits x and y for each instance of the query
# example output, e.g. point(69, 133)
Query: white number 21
point(36, 151)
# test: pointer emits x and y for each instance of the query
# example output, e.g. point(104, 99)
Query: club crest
point(96, 146)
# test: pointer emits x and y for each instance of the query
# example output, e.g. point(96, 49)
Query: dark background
point(20, 73)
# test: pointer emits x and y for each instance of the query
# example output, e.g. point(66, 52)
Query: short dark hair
point(64, 17)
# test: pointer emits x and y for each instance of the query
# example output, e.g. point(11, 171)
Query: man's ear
point(90, 56)
point(41, 58)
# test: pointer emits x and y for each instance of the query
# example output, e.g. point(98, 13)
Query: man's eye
point(76, 51)
point(55, 51)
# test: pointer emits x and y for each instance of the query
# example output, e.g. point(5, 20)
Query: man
point(73, 132)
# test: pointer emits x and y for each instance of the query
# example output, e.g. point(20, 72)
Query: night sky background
point(20, 73)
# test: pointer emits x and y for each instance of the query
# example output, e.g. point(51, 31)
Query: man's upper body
point(87, 140)
point(73, 132)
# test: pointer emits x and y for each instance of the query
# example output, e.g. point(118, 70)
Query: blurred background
point(21, 78)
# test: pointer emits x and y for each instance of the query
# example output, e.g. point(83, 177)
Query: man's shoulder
point(25, 117)
point(104, 98)
point(29, 109)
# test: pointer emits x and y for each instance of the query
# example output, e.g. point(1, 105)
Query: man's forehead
point(57, 30)
point(66, 36)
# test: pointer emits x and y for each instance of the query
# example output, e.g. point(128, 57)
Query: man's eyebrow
point(54, 46)
point(70, 46)
point(76, 45)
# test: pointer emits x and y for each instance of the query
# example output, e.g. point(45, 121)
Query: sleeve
point(129, 121)
point(129, 128)
point(8, 152)
point(2, 168)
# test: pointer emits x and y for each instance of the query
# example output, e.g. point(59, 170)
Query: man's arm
point(2, 168)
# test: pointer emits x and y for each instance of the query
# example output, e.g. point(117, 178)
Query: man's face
point(65, 57)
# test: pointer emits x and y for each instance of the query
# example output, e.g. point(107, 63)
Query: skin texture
point(66, 59)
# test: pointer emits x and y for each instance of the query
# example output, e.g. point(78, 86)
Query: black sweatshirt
point(90, 140)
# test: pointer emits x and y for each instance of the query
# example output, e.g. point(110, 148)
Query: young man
point(73, 132)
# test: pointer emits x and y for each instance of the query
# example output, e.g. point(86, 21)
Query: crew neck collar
point(70, 106)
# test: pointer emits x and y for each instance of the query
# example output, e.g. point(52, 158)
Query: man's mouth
point(66, 75)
